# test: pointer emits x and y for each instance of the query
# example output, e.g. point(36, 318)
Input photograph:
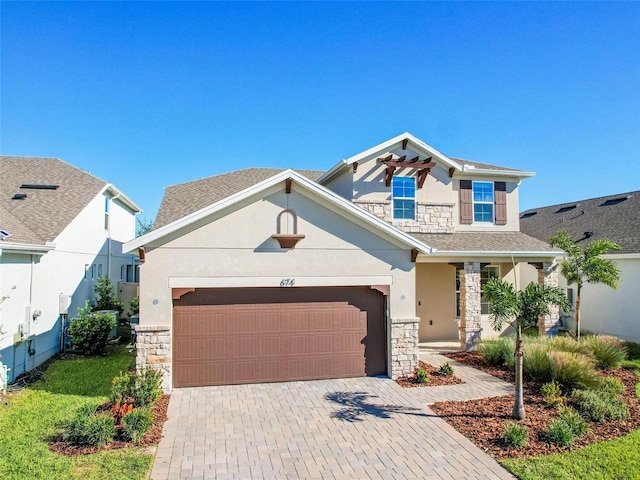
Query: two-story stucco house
point(62, 228)
point(265, 275)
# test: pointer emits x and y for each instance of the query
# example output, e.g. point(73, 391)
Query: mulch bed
point(153, 436)
point(482, 421)
point(435, 379)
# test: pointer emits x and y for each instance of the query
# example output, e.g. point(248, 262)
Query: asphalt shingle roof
point(615, 217)
point(185, 198)
point(43, 214)
point(484, 242)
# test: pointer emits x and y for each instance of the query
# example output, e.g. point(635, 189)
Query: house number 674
point(287, 282)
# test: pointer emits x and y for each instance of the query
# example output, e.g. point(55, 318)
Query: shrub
point(140, 389)
point(421, 376)
point(445, 369)
point(575, 422)
point(612, 386)
point(552, 394)
point(536, 364)
point(567, 344)
point(560, 433)
point(134, 305)
point(515, 435)
point(87, 428)
point(106, 298)
point(89, 331)
point(609, 352)
point(136, 423)
point(497, 351)
point(599, 406)
point(573, 370)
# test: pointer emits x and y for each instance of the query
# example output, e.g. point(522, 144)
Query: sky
point(150, 94)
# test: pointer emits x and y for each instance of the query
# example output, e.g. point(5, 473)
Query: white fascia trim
point(470, 169)
point(622, 256)
point(115, 192)
point(385, 146)
point(236, 282)
point(26, 248)
point(321, 191)
point(525, 254)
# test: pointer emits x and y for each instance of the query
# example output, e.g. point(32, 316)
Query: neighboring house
point(264, 275)
point(62, 228)
point(617, 218)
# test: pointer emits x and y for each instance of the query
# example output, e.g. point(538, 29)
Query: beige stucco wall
point(513, 216)
point(238, 244)
point(436, 302)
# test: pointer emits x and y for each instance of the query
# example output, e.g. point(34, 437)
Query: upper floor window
point(482, 201)
point(403, 192)
point(106, 213)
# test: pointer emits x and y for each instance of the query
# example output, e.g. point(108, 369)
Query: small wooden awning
point(423, 167)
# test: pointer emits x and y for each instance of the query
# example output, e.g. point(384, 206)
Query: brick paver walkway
point(355, 428)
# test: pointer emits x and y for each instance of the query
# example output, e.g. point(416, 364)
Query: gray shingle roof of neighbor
point(615, 217)
point(44, 213)
point(484, 242)
point(484, 166)
point(185, 198)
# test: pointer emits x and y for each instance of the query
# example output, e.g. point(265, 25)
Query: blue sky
point(150, 94)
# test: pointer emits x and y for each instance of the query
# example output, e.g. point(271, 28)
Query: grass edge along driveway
point(29, 418)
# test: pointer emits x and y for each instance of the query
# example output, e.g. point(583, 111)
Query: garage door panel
point(284, 340)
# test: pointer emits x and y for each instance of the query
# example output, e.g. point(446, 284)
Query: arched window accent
point(287, 240)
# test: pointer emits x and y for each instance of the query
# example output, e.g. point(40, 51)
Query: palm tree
point(585, 264)
point(521, 309)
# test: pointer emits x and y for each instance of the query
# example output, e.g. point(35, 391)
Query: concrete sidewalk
point(355, 428)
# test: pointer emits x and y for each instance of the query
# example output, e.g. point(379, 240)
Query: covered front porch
point(449, 283)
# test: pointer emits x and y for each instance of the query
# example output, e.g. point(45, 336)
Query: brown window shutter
point(500, 195)
point(466, 202)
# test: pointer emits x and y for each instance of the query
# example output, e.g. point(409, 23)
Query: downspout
point(27, 334)
point(111, 199)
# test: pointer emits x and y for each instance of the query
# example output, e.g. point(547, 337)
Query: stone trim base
point(404, 346)
point(153, 350)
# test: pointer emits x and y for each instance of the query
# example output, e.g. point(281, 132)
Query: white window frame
point(485, 307)
point(484, 202)
point(402, 198)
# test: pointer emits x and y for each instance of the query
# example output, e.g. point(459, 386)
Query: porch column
point(404, 346)
point(470, 297)
point(548, 275)
point(153, 350)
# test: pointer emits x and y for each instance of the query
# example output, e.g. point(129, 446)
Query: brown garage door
point(234, 336)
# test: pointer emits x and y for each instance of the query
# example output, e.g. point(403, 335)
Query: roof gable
point(308, 187)
point(615, 217)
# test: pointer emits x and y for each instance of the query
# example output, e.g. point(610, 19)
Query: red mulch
point(482, 421)
point(159, 413)
point(435, 379)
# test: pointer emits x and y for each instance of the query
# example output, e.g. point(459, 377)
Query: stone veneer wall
point(153, 350)
point(404, 346)
point(548, 275)
point(430, 218)
point(470, 305)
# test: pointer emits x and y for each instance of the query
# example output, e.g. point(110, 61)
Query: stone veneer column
point(470, 299)
point(153, 350)
point(404, 346)
point(548, 275)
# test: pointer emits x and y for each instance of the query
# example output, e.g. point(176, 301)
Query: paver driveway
point(347, 428)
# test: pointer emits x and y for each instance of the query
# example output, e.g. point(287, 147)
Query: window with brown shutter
point(500, 191)
point(466, 202)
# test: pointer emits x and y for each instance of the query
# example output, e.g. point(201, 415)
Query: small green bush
point(144, 387)
point(536, 364)
point(612, 386)
point(567, 344)
point(560, 433)
point(574, 420)
point(609, 352)
point(89, 331)
point(421, 376)
point(573, 370)
point(136, 423)
point(86, 428)
point(552, 394)
point(599, 406)
point(445, 369)
point(497, 351)
point(515, 435)
point(106, 298)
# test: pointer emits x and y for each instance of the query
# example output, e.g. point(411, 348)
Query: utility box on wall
point(64, 301)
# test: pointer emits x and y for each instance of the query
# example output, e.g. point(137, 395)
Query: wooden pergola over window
point(423, 167)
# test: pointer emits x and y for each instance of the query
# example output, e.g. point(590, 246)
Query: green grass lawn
point(29, 418)
point(614, 460)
